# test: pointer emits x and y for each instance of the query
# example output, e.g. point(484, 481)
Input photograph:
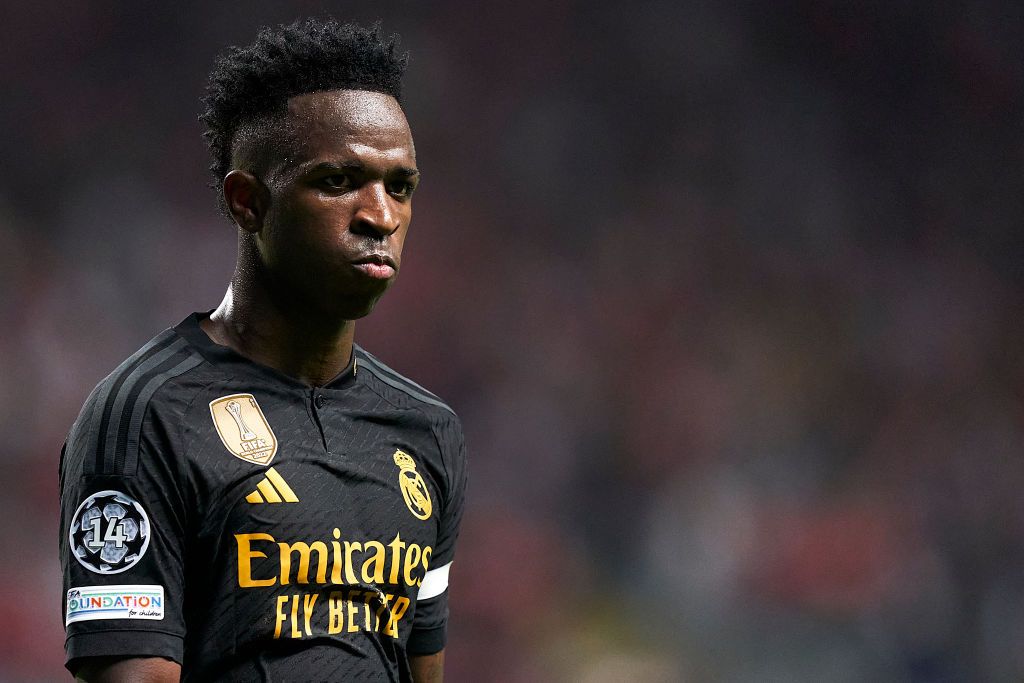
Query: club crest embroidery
point(414, 489)
point(243, 428)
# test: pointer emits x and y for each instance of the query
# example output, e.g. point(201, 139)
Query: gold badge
point(414, 489)
point(243, 428)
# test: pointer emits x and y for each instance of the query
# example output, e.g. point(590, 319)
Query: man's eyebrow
point(357, 167)
point(338, 166)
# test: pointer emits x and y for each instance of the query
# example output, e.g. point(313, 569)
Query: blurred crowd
point(729, 300)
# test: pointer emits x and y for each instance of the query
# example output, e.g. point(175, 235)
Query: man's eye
point(401, 188)
point(336, 182)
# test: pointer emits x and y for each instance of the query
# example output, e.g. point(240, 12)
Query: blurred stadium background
point(730, 300)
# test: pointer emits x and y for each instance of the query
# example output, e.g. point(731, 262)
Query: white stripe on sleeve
point(434, 583)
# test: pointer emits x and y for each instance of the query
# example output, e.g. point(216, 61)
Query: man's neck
point(304, 346)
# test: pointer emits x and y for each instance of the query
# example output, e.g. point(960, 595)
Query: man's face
point(340, 202)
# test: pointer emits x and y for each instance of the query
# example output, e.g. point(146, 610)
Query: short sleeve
point(122, 530)
point(429, 629)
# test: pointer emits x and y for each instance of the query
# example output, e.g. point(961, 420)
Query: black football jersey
point(228, 517)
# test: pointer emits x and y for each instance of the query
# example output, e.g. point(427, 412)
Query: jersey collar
point(222, 356)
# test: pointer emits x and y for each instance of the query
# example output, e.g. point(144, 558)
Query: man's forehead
point(344, 123)
point(348, 111)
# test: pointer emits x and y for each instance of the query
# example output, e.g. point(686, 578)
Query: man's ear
point(247, 199)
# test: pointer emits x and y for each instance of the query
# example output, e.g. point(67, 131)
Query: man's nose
point(375, 214)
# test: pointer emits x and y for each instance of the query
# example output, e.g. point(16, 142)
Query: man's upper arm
point(137, 670)
point(430, 623)
point(123, 515)
point(427, 668)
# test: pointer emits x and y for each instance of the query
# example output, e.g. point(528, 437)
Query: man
point(251, 496)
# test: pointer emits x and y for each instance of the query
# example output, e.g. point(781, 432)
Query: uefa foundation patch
point(114, 602)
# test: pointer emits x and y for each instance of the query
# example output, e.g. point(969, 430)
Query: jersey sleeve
point(122, 530)
point(430, 622)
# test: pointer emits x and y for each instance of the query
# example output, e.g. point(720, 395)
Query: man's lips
point(377, 266)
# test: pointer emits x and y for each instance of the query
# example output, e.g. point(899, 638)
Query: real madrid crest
point(243, 428)
point(414, 489)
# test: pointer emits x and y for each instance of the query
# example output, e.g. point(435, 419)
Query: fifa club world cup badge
point(414, 489)
point(243, 428)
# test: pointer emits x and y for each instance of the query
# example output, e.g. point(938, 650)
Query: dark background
point(729, 298)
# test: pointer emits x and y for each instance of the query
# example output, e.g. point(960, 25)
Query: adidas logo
point(272, 489)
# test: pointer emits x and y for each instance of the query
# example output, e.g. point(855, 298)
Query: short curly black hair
point(252, 85)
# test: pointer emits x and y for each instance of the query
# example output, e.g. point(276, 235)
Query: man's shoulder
point(165, 357)
point(401, 390)
point(113, 413)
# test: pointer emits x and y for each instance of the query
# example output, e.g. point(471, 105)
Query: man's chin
point(353, 306)
point(340, 302)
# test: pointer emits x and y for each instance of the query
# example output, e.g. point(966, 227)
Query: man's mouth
point(377, 266)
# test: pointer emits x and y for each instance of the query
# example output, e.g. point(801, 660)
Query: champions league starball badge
point(109, 532)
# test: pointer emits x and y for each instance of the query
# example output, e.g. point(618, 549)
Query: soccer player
point(251, 496)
